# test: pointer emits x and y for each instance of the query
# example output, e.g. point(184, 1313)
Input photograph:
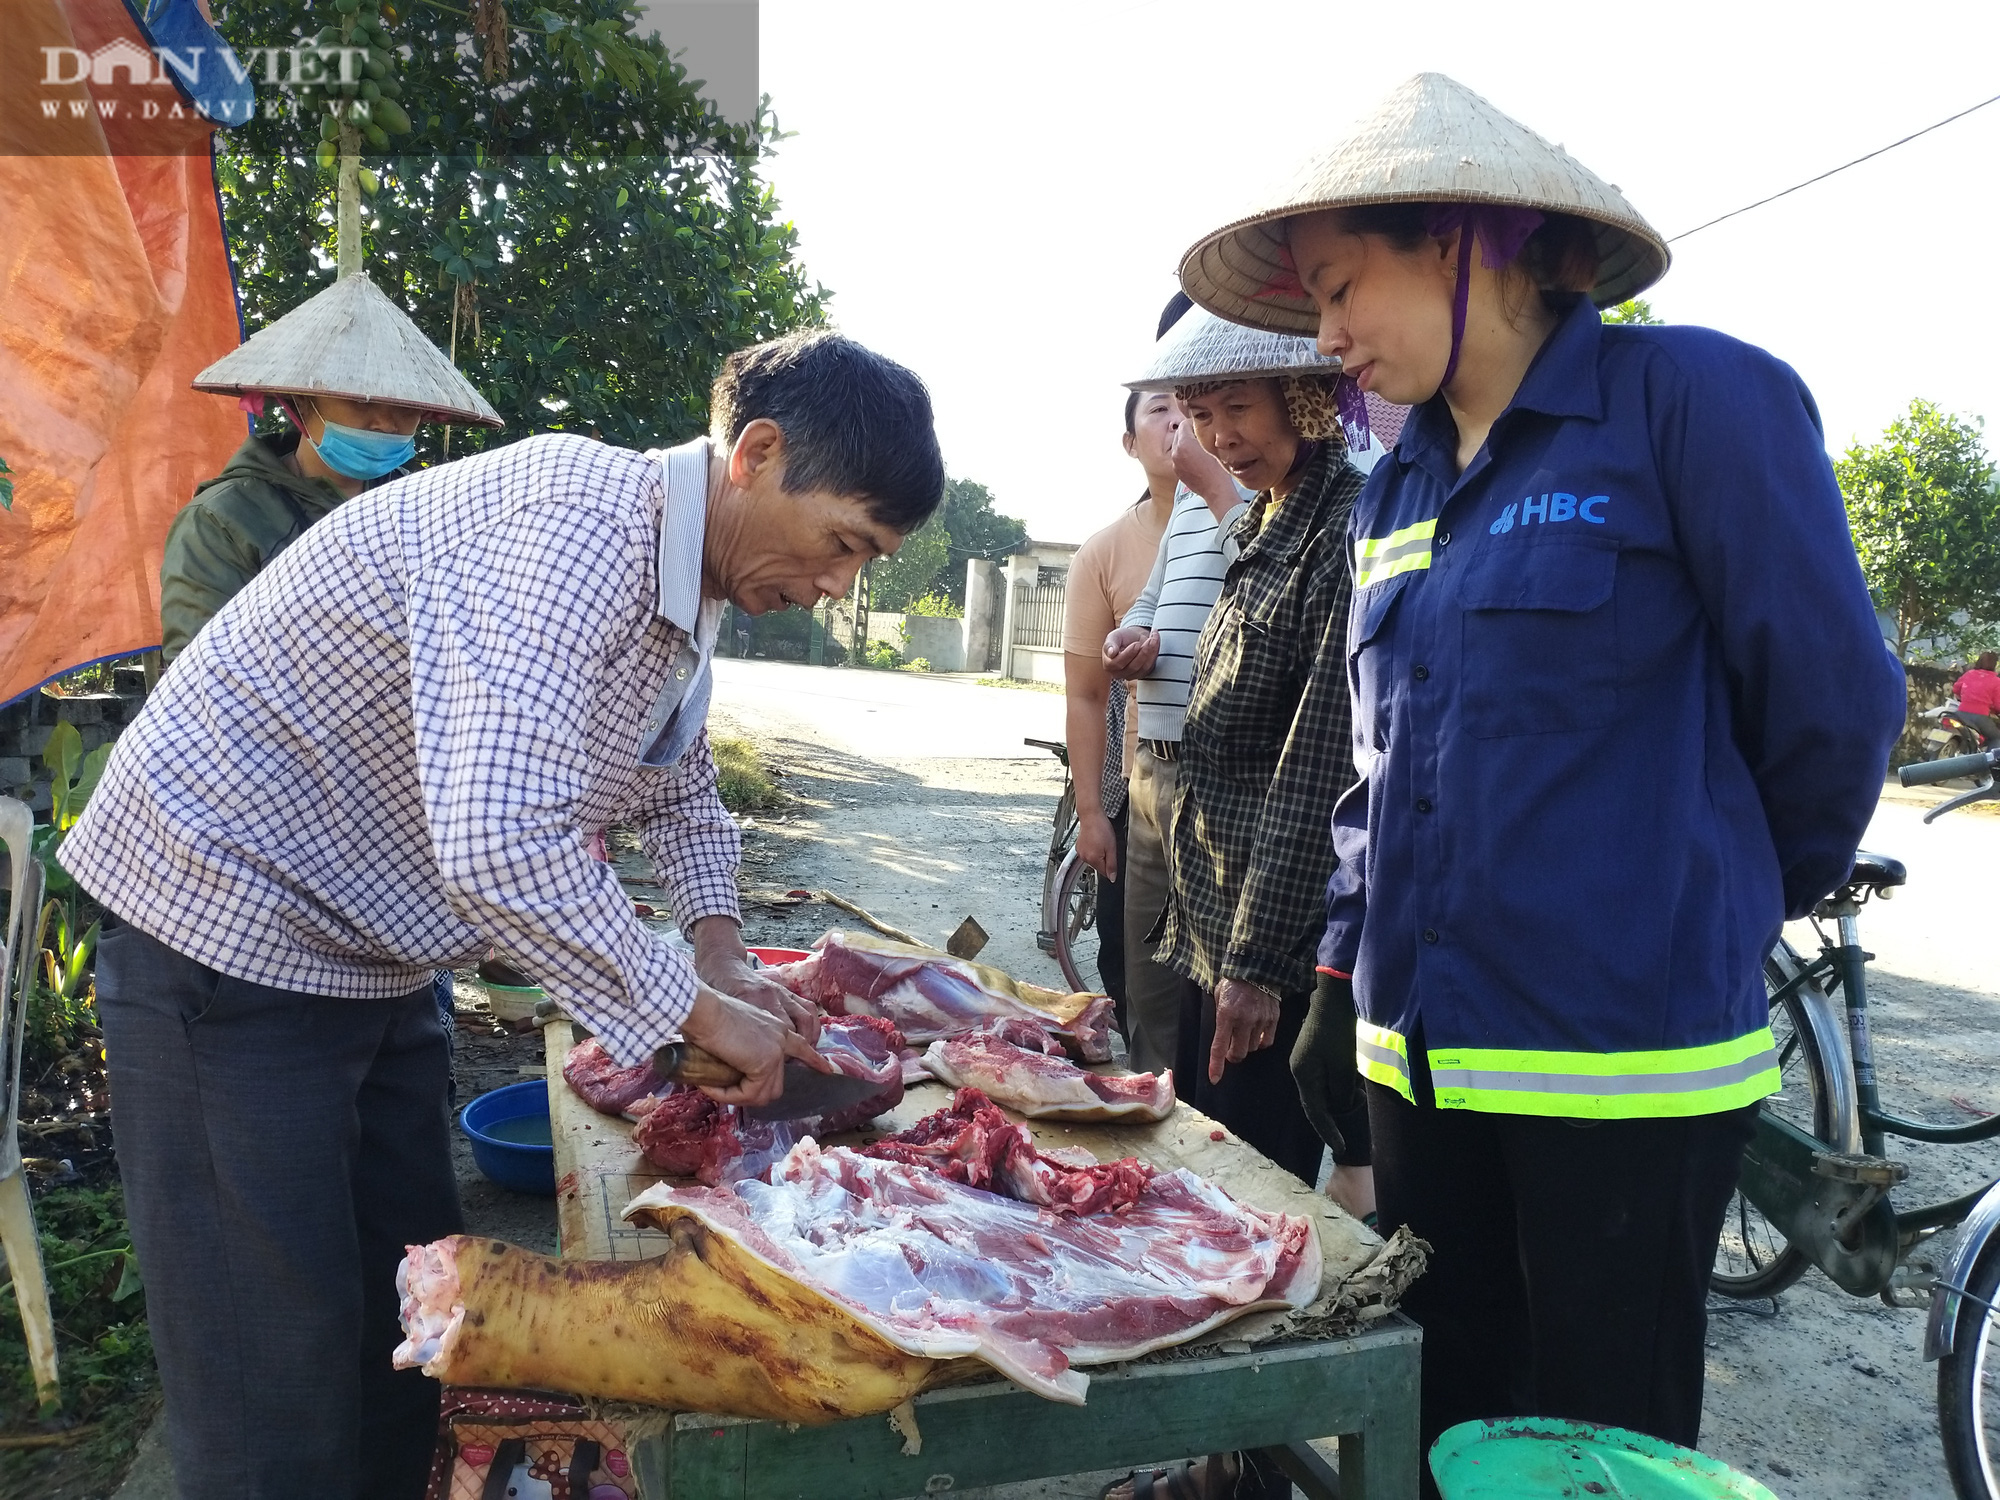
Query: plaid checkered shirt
point(1268, 745)
point(393, 746)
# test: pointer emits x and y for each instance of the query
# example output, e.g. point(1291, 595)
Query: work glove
point(1323, 1060)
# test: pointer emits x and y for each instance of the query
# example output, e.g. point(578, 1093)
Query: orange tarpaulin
point(114, 291)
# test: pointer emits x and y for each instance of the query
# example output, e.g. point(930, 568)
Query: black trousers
point(1257, 1098)
point(1111, 927)
point(279, 1151)
point(1570, 1260)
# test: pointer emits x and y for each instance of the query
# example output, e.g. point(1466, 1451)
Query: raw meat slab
point(1015, 1070)
point(943, 1270)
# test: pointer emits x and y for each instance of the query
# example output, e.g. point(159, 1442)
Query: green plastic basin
point(1542, 1458)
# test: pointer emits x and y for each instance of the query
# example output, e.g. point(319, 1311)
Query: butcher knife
point(807, 1091)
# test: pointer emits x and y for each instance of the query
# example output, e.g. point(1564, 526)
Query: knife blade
point(807, 1092)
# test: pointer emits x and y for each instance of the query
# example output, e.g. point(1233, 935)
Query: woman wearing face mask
point(356, 377)
point(1621, 706)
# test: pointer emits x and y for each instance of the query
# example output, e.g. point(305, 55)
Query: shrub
point(938, 606)
point(741, 776)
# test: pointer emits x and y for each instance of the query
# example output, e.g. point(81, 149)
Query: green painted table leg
point(1362, 1389)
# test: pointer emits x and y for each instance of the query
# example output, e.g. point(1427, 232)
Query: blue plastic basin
point(502, 1126)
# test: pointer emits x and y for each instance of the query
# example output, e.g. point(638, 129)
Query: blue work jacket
point(1621, 706)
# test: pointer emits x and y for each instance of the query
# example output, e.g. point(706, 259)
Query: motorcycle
point(1952, 733)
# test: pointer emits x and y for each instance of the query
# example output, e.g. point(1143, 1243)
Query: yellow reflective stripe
point(1608, 1085)
point(1408, 563)
point(1401, 551)
point(1382, 1055)
point(1423, 530)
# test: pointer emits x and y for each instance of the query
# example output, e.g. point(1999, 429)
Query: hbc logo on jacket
point(1558, 505)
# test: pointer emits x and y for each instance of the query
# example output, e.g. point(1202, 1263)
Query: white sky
point(998, 195)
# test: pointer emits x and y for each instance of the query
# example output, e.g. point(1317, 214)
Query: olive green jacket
point(229, 532)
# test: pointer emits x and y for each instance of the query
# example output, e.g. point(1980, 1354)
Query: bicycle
point(1815, 1186)
point(1069, 886)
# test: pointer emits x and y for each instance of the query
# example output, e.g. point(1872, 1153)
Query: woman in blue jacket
point(1621, 707)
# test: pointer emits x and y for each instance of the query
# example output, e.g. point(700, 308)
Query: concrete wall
point(939, 641)
point(27, 723)
point(1034, 664)
point(985, 603)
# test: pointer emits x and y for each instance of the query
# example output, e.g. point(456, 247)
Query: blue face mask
point(361, 454)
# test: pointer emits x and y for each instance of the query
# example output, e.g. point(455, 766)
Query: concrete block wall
point(27, 723)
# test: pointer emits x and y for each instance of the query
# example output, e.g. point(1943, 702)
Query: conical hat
point(1202, 346)
point(1431, 141)
point(350, 340)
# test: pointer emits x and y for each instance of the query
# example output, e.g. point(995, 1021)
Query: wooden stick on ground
point(872, 920)
point(46, 1439)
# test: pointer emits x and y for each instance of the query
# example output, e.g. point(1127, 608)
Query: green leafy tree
point(565, 214)
point(895, 581)
point(976, 529)
point(1637, 310)
point(1925, 513)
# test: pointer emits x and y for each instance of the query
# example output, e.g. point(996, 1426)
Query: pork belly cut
point(1009, 1062)
point(931, 995)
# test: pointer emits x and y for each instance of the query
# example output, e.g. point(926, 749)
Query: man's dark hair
point(855, 424)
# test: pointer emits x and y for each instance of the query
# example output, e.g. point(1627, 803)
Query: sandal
point(1161, 1484)
point(1183, 1483)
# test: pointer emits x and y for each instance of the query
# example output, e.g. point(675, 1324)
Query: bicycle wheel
point(1969, 1386)
point(1075, 914)
point(1754, 1258)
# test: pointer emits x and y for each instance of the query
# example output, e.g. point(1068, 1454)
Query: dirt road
point(904, 800)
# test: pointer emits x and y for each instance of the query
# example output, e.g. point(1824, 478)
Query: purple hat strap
point(1501, 232)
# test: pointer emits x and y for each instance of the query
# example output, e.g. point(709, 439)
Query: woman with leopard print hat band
point(1264, 754)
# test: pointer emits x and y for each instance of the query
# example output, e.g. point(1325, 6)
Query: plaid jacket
point(392, 747)
point(1268, 746)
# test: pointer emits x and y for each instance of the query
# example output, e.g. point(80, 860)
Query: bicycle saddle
point(1876, 871)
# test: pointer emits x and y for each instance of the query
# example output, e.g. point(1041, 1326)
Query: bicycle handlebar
point(1925, 772)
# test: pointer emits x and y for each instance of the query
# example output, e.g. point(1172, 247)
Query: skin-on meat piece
point(1009, 1063)
point(974, 1143)
point(847, 1284)
point(944, 1269)
point(705, 1327)
point(931, 995)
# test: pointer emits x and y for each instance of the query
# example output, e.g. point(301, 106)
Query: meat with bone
point(974, 1143)
point(687, 1134)
point(931, 995)
point(1010, 1062)
point(942, 1269)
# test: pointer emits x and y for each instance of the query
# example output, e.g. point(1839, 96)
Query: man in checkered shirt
point(388, 752)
